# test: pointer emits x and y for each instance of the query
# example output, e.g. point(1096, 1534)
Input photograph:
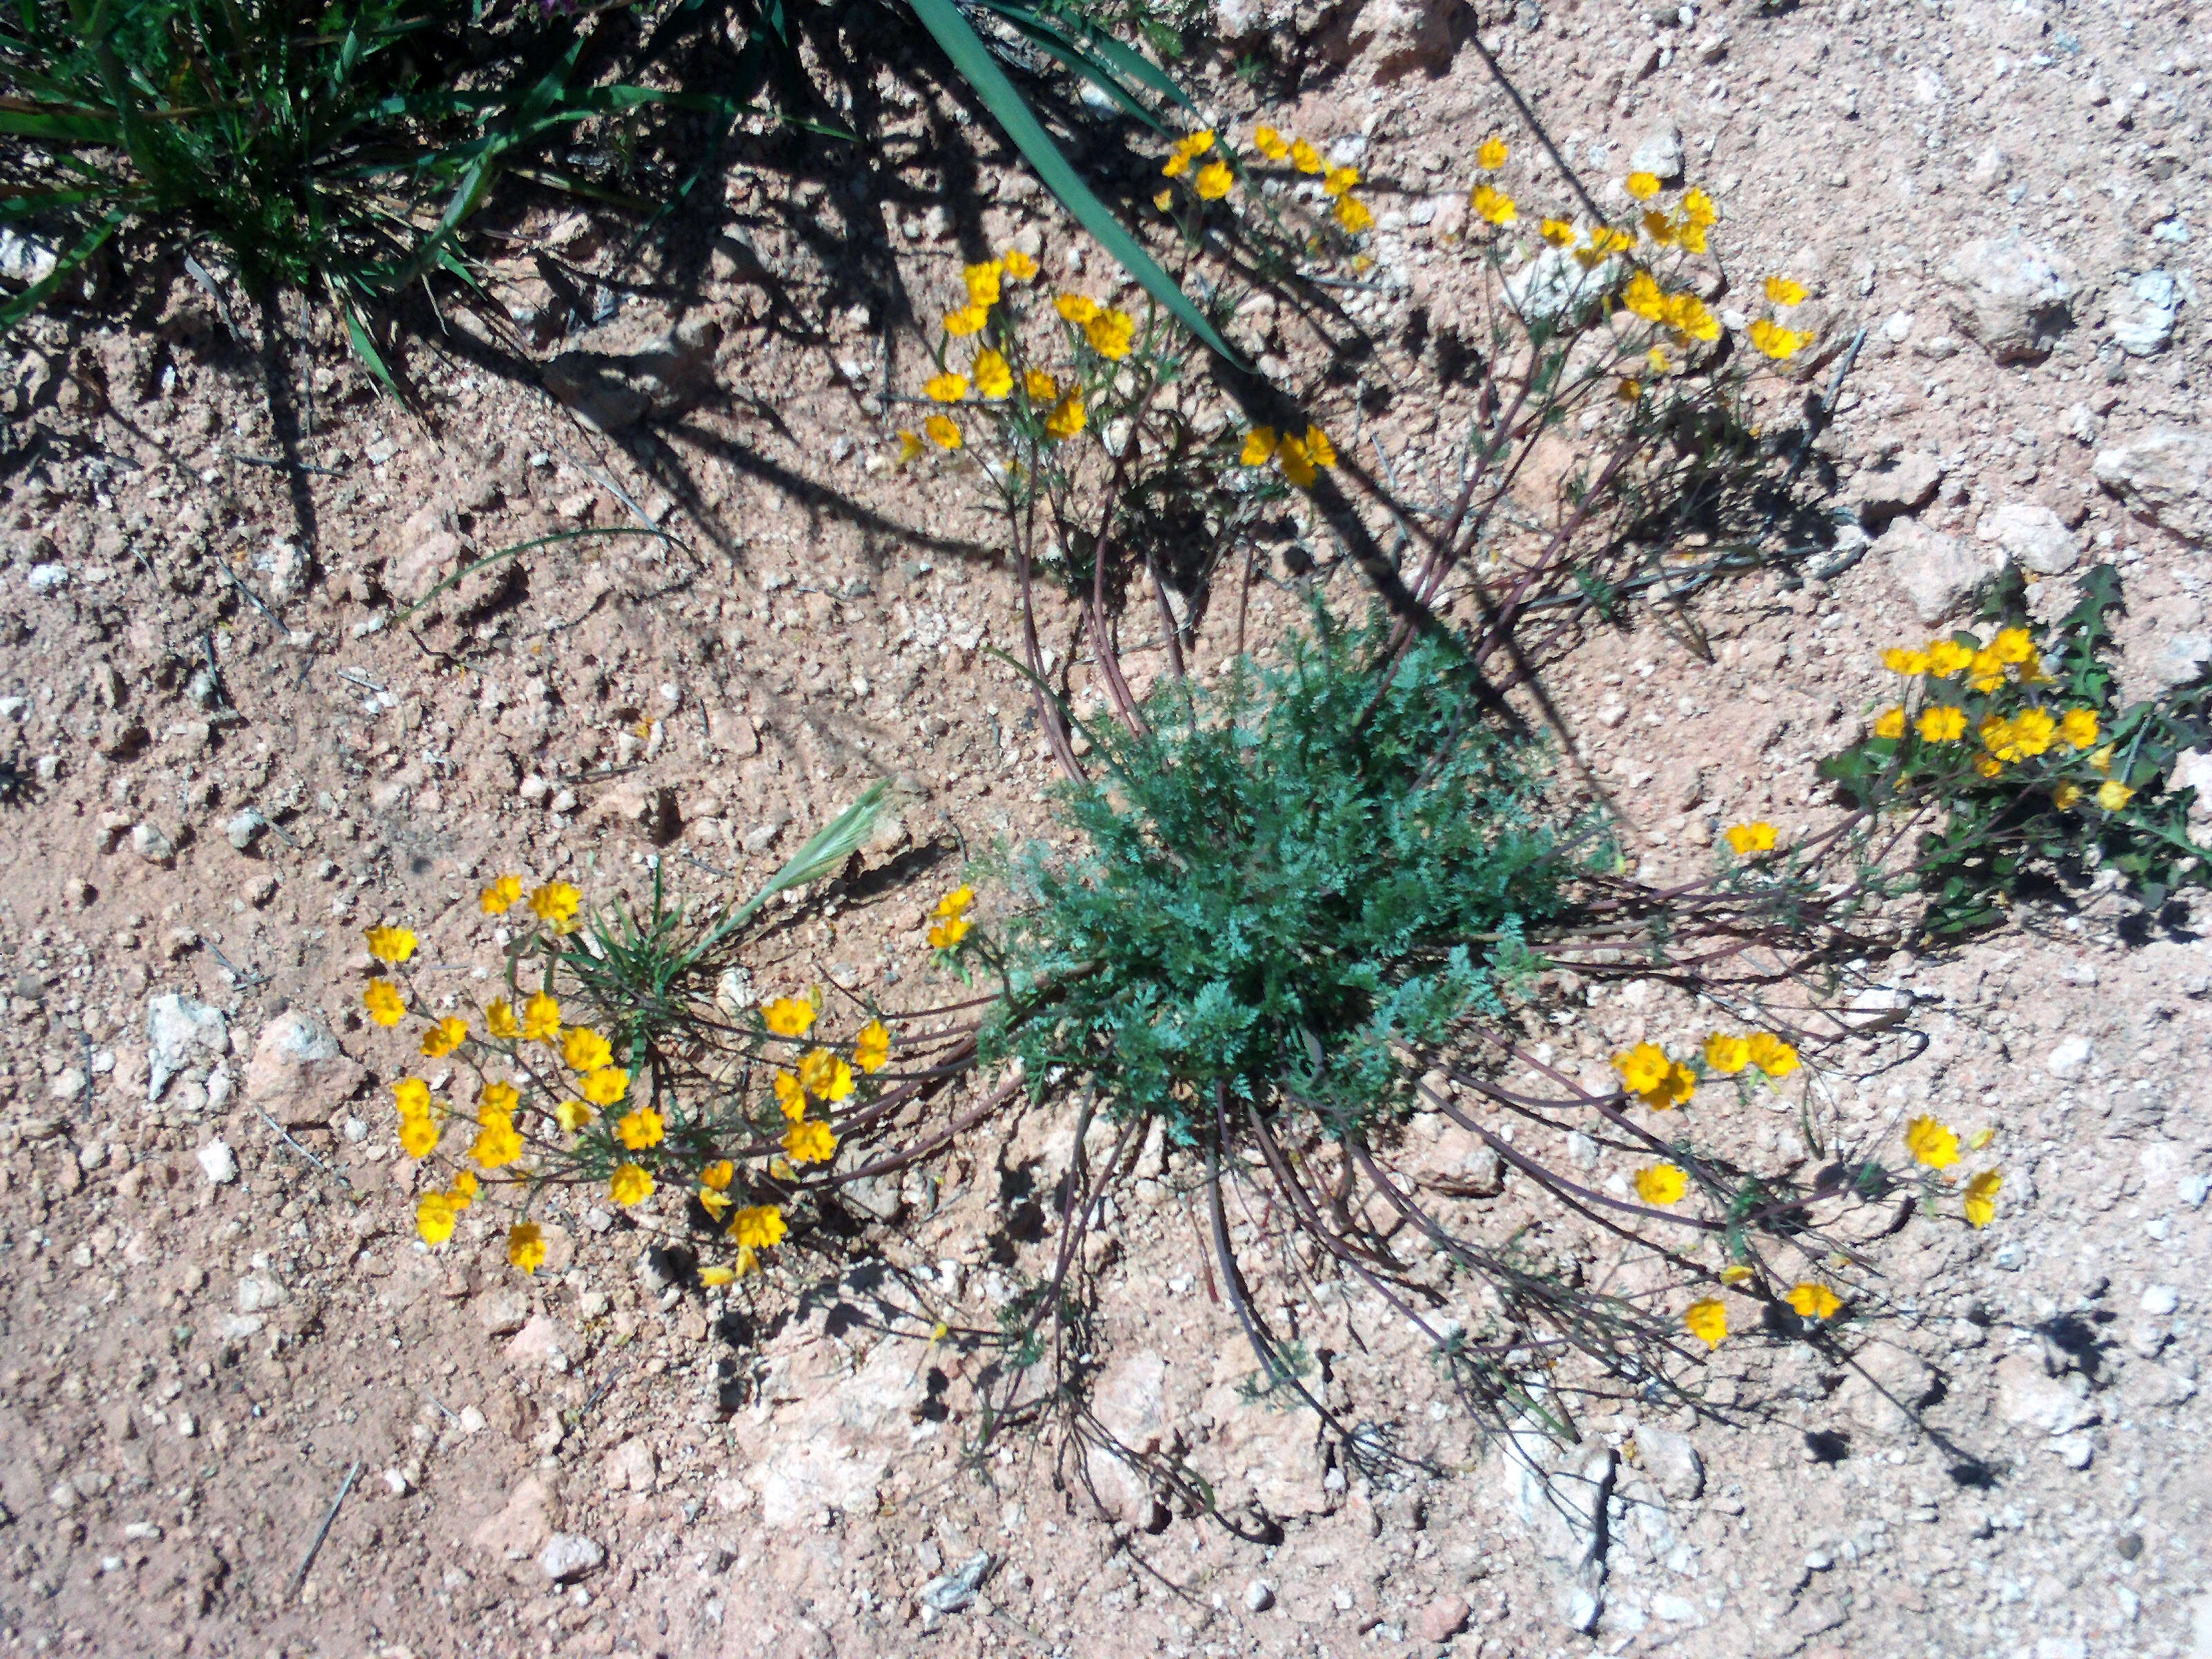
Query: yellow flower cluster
point(1350, 214)
point(1684, 313)
point(1295, 457)
point(1771, 337)
point(1212, 181)
point(1662, 1083)
point(2010, 659)
point(1936, 1144)
point(993, 375)
point(951, 924)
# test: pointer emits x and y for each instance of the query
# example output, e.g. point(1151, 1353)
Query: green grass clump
point(1287, 888)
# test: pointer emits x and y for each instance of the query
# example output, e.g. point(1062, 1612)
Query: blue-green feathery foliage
point(1283, 884)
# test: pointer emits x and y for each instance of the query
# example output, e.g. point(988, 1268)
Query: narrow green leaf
point(35, 295)
point(974, 61)
point(1118, 57)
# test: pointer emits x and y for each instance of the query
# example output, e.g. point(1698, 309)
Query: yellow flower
point(1174, 167)
point(554, 904)
point(447, 1034)
point(948, 932)
point(713, 1203)
point(1772, 1055)
point(1900, 660)
point(1988, 765)
point(1697, 207)
point(2078, 727)
point(718, 1175)
point(500, 1021)
point(1340, 181)
point(715, 1277)
point(1814, 1301)
point(1644, 297)
point(994, 378)
point(1642, 185)
point(1660, 1183)
point(1295, 462)
point(1494, 205)
point(1628, 390)
point(1985, 670)
point(956, 901)
point(433, 1217)
point(757, 1226)
point(1931, 1143)
point(1946, 656)
point(788, 1017)
point(418, 1137)
point(2033, 732)
point(385, 1004)
point(1018, 265)
point(982, 282)
point(1110, 333)
point(1214, 181)
point(1353, 215)
point(1558, 231)
point(946, 388)
point(1784, 291)
point(1736, 1272)
point(2102, 760)
point(2065, 795)
point(496, 1145)
point(1687, 313)
point(585, 1050)
point(909, 446)
point(1747, 838)
point(1690, 237)
point(1489, 154)
point(1659, 228)
point(1077, 309)
point(825, 1076)
point(640, 1129)
point(498, 1100)
point(1269, 142)
point(500, 896)
point(967, 320)
point(1890, 723)
point(1319, 450)
point(1707, 1321)
point(630, 1185)
point(604, 1087)
point(1039, 387)
point(1198, 143)
point(1942, 725)
point(944, 431)
point(573, 1115)
point(871, 1047)
point(1776, 341)
point(1981, 1198)
point(392, 944)
point(2013, 645)
point(413, 1096)
point(526, 1246)
point(541, 1019)
point(1645, 1067)
point(1306, 158)
point(1727, 1055)
point(1657, 359)
point(1671, 1091)
point(2113, 794)
point(790, 1096)
point(810, 1142)
point(464, 1190)
point(1065, 419)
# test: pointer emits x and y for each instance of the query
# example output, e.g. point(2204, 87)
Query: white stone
point(2012, 296)
point(2029, 1397)
point(298, 1073)
point(1552, 287)
point(1259, 1596)
point(1937, 573)
point(2147, 328)
point(2070, 1059)
point(1671, 1461)
point(2164, 478)
point(151, 842)
point(2162, 1300)
point(218, 1162)
point(569, 1555)
point(242, 828)
point(2033, 535)
point(180, 1033)
point(1659, 152)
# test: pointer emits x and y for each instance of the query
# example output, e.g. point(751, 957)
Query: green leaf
point(35, 295)
point(973, 59)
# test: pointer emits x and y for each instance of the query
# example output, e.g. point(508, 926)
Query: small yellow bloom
point(2065, 795)
point(1066, 418)
point(1657, 359)
point(385, 1004)
point(630, 1185)
point(1747, 838)
point(966, 321)
point(418, 1137)
point(910, 445)
point(413, 1096)
point(2113, 794)
point(500, 1021)
point(1018, 265)
point(1697, 207)
point(1165, 200)
point(1306, 158)
point(1294, 462)
point(718, 1175)
point(526, 1246)
point(956, 901)
point(1645, 1067)
point(1890, 723)
point(947, 934)
point(1772, 1055)
point(1660, 1183)
point(433, 1217)
point(1688, 315)
point(713, 1203)
point(1946, 656)
point(757, 1226)
point(982, 282)
point(715, 1277)
point(788, 1017)
point(604, 1087)
point(1642, 185)
point(1814, 1301)
point(1489, 154)
point(871, 1047)
point(463, 1192)
point(1039, 387)
point(1776, 341)
point(541, 1019)
point(2033, 732)
point(1628, 392)
point(1494, 205)
point(1784, 291)
point(1707, 1321)
point(498, 1101)
point(1981, 1198)
point(640, 1129)
point(1269, 142)
point(1110, 333)
point(1727, 1055)
point(1199, 143)
point(1900, 660)
point(1736, 1272)
point(2078, 727)
point(1214, 181)
point(811, 1142)
point(496, 1145)
point(554, 904)
point(790, 1096)
point(392, 944)
point(825, 1076)
point(944, 431)
point(993, 377)
point(1942, 725)
point(1352, 215)
point(1077, 309)
point(447, 1034)
point(1931, 1143)
point(1988, 765)
point(1319, 450)
point(1985, 670)
point(585, 1050)
point(1558, 231)
point(2013, 645)
point(1659, 228)
point(502, 895)
point(1671, 1091)
point(2102, 760)
point(1340, 181)
point(573, 1115)
point(946, 388)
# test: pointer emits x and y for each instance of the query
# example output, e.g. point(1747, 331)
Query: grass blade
point(832, 844)
point(974, 61)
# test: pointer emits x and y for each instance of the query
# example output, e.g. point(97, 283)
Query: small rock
point(1442, 1619)
point(2029, 1397)
point(953, 1591)
point(520, 1529)
point(1937, 572)
point(2013, 297)
point(257, 1291)
point(218, 1162)
point(1674, 1609)
point(473, 1421)
point(608, 392)
point(1905, 487)
point(2070, 1060)
point(1444, 1157)
point(2033, 535)
point(1259, 1596)
point(151, 842)
point(2165, 478)
point(243, 830)
point(631, 1465)
point(542, 1340)
point(2160, 1300)
point(1672, 1462)
point(1659, 152)
point(2074, 1451)
point(1579, 1610)
point(1553, 287)
point(180, 1033)
point(569, 1555)
point(299, 1075)
point(503, 1312)
point(2148, 329)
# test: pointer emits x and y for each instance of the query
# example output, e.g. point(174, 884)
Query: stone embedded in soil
point(2029, 1397)
point(610, 391)
point(1937, 573)
point(631, 1465)
point(2145, 327)
point(1130, 1402)
point(2033, 535)
point(2070, 1059)
point(1446, 1158)
point(569, 1555)
point(1659, 152)
point(180, 1033)
point(542, 1340)
point(1440, 1619)
point(1887, 1388)
point(503, 1312)
point(2164, 478)
point(299, 1075)
point(218, 1162)
point(1905, 487)
point(1672, 1462)
point(2014, 297)
point(521, 1527)
point(153, 844)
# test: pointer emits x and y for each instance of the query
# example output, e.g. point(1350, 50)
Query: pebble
point(1259, 1596)
point(2164, 478)
point(2162, 1300)
point(152, 844)
point(1659, 152)
point(569, 1555)
point(218, 1162)
point(2070, 1059)
point(243, 830)
point(1442, 1619)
